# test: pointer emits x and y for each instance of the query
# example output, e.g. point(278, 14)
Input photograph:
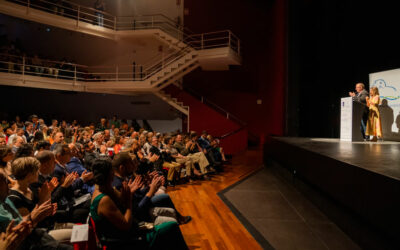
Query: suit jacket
point(361, 97)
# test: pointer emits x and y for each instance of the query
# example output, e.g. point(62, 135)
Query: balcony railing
point(117, 23)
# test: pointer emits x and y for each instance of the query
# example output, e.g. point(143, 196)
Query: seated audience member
point(112, 212)
point(76, 165)
point(207, 149)
point(198, 157)
point(29, 236)
point(20, 132)
point(29, 131)
point(172, 155)
point(17, 142)
point(71, 185)
point(58, 140)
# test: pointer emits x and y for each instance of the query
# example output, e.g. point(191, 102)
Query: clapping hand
point(135, 184)
point(69, 179)
point(13, 236)
point(42, 211)
point(53, 184)
point(87, 176)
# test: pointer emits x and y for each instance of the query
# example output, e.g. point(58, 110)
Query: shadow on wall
point(387, 118)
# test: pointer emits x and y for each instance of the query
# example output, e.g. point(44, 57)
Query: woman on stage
point(374, 126)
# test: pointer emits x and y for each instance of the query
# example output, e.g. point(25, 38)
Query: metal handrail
point(215, 106)
point(159, 21)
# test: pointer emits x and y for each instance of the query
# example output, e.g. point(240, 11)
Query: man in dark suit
point(360, 96)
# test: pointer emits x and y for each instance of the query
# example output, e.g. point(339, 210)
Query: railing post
point(116, 73)
point(229, 43)
point(227, 115)
point(202, 99)
point(152, 21)
point(141, 71)
point(23, 67)
point(75, 75)
point(77, 19)
point(188, 120)
point(115, 23)
point(202, 41)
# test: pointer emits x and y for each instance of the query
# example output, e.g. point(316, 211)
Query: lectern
point(351, 113)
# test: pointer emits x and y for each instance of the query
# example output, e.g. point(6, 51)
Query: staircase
point(204, 115)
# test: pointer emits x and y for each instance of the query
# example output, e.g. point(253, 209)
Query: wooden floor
point(214, 226)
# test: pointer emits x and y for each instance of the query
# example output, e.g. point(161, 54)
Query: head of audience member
point(154, 141)
point(360, 87)
point(25, 150)
point(135, 135)
point(38, 136)
point(193, 136)
point(59, 137)
point(9, 131)
point(54, 123)
point(25, 169)
point(34, 119)
point(20, 131)
point(44, 128)
point(18, 119)
point(64, 124)
point(116, 131)
point(123, 164)
point(6, 155)
point(103, 173)
point(3, 140)
point(47, 162)
point(41, 122)
point(62, 154)
point(29, 127)
point(142, 140)
point(204, 134)
point(107, 135)
point(168, 140)
point(178, 138)
point(99, 138)
point(149, 136)
point(89, 147)
point(80, 150)
point(43, 145)
point(17, 142)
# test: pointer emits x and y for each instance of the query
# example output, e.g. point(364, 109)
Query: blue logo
point(386, 91)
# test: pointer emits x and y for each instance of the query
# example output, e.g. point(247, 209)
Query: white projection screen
point(388, 83)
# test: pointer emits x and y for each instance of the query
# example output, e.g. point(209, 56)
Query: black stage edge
point(249, 227)
point(356, 185)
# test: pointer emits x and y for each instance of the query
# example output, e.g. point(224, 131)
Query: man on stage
point(360, 96)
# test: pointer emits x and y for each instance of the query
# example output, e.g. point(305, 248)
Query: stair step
point(179, 103)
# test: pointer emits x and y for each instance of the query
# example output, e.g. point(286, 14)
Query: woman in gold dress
point(374, 126)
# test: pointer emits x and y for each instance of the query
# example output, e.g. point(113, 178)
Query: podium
point(351, 113)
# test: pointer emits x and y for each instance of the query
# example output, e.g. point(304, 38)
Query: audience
point(120, 175)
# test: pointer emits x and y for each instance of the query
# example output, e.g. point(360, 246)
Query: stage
point(361, 179)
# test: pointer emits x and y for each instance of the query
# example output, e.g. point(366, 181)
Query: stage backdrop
point(388, 83)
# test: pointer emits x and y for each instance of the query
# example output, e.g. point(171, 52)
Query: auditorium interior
point(183, 124)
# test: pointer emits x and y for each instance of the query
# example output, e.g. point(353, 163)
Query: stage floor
point(379, 157)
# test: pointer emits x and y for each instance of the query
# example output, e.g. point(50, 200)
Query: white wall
point(388, 83)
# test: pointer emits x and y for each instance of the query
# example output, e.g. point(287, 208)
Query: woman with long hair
point(374, 125)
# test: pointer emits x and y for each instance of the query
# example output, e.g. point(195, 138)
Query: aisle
point(214, 226)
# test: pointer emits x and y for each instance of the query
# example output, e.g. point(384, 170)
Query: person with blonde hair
point(374, 125)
